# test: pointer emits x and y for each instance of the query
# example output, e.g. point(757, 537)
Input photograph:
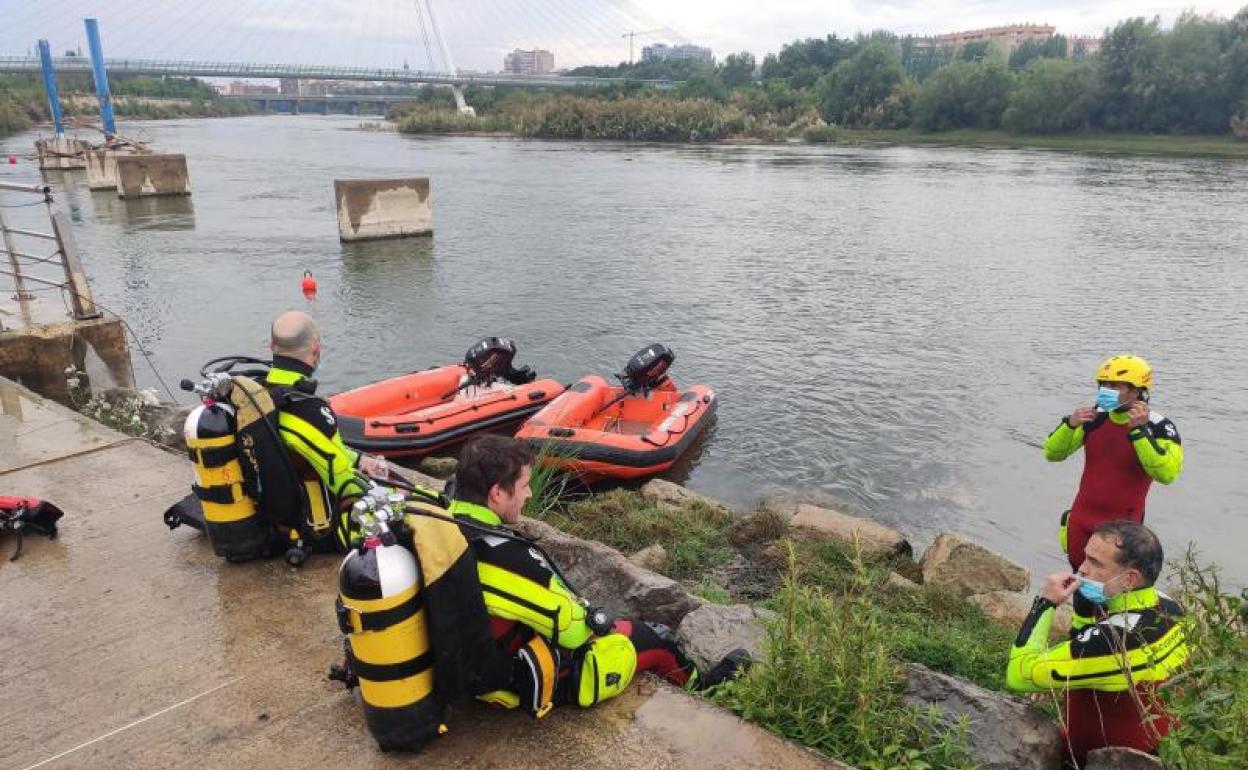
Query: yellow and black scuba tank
point(227, 495)
point(381, 610)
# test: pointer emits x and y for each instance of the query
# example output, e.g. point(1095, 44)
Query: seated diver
point(565, 650)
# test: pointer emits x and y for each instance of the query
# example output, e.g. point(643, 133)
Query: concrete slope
point(126, 645)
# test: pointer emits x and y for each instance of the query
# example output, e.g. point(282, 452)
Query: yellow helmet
point(1132, 370)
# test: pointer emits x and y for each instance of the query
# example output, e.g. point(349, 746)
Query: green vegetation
point(1147, 90)
point(726, 558)
point(1210, 699)
point(23, 101)
point(831, 683)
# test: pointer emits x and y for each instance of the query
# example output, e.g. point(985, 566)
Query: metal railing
point(66, 255)
point(307, 71)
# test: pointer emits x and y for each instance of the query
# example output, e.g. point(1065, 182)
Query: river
point(895, 329)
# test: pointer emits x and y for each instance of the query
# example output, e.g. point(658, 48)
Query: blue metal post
point(101, 77)
point(49, 85)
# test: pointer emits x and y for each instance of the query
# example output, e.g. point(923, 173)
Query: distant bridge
point(79, 64)
point(351, 104)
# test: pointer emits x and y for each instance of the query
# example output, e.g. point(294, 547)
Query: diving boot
point(733, 665)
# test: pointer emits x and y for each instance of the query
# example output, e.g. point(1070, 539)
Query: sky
point(387, 33)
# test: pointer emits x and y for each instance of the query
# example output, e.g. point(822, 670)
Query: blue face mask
point(1107, 398)
point(1094, 590)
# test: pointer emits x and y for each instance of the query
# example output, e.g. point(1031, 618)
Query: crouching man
point(1109, 668)
point(565, 650)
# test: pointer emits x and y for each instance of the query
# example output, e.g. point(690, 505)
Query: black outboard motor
point(647, 370)
point(491, 358)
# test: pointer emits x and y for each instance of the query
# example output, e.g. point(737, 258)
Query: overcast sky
point(478, 32)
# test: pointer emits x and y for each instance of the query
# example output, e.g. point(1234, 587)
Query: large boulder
point(1121, 758)
point(605, 576)
point(1010, 608)
point(1006, 733)
point(969, 568)
point(713, 630)
point(439, 467)
point(662, 492)
point(652, 557)
point(877, 540)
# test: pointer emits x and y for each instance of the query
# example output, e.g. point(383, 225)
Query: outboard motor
point(647, 369)
point(491, 358)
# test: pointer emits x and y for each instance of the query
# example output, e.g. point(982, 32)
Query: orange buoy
point(308, 284)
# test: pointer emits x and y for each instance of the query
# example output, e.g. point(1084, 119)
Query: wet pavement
point(129, 646)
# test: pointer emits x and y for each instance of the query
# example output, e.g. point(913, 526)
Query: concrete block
point(151, 174)
point(102, 169)
point(60, 154)
point(371, 209)
point(37, 356)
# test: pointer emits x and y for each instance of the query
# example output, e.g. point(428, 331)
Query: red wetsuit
point(1114, 485)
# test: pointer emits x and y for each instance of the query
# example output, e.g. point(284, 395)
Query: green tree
point(1128, 54)
point(1053, 48)
point(977, 51)
point(860, 84)
point(964, 95)
point(737, 69)
point(803, 62)
point(1054, 96)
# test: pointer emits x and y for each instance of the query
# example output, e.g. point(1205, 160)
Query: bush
point(963, 95)
point(1210, 699)
point(1239, 126)
point(1054, 96)
point(821, 134)
point(830, 683)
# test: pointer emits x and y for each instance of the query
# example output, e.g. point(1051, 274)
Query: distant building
point(535, 62)
point(688, 52)
point(327, 87)
point(288, 86)
point(1083, 46)
point(1008, 37)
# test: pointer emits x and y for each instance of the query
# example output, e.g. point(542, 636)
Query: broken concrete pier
point(61, 153)
point(127, 645)
point(102, 169)
point(373, 209)
point(149, 174)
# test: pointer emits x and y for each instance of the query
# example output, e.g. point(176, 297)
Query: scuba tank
point(231, 516)
point(381, 610)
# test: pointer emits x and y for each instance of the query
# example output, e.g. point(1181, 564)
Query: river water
point(892, 329)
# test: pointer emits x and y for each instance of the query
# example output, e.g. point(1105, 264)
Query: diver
point(566, 650)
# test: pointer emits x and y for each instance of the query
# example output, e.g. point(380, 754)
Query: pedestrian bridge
point(174, 68)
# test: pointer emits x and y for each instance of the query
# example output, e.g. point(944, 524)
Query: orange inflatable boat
point(638, 428)
point(412, 415)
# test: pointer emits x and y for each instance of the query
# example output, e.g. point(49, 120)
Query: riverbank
point(714, 124)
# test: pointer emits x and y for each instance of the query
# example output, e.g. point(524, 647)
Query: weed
point(831, 683)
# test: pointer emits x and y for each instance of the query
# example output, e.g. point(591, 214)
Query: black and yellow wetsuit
point(1107, 669)
point(310, 431)
point(525, 596)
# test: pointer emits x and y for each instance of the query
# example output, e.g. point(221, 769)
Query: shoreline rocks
point(958, 563)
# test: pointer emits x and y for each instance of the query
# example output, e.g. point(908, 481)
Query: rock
point(877, 540)
point(1006, 733)
point(758, 528)
point(663, 492)
point(604, 576)
point(969, 568)
point(653, 558)
point(713, 630)
point(1010, 608)
point(1121, 758)
point(902, 583)
point(439, 467)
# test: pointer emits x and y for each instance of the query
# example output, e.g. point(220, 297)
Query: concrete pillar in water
point(102, 169)
point(152, 174)
point(372, 209)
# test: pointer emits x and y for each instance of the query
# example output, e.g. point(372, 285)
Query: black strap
point(214, 456)
point(391, 672)
point(220, 495)
point(383, 619)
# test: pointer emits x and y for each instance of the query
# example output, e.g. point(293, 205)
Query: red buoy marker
point(308, 284)
point(12, 160)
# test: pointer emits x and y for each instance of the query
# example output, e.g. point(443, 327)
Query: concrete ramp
point(130, 646)
point(148, 174)
point(372, 209)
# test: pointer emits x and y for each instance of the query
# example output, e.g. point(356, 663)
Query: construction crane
point(635, 34)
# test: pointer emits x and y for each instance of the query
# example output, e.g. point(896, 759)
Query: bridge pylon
point(461, 103)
